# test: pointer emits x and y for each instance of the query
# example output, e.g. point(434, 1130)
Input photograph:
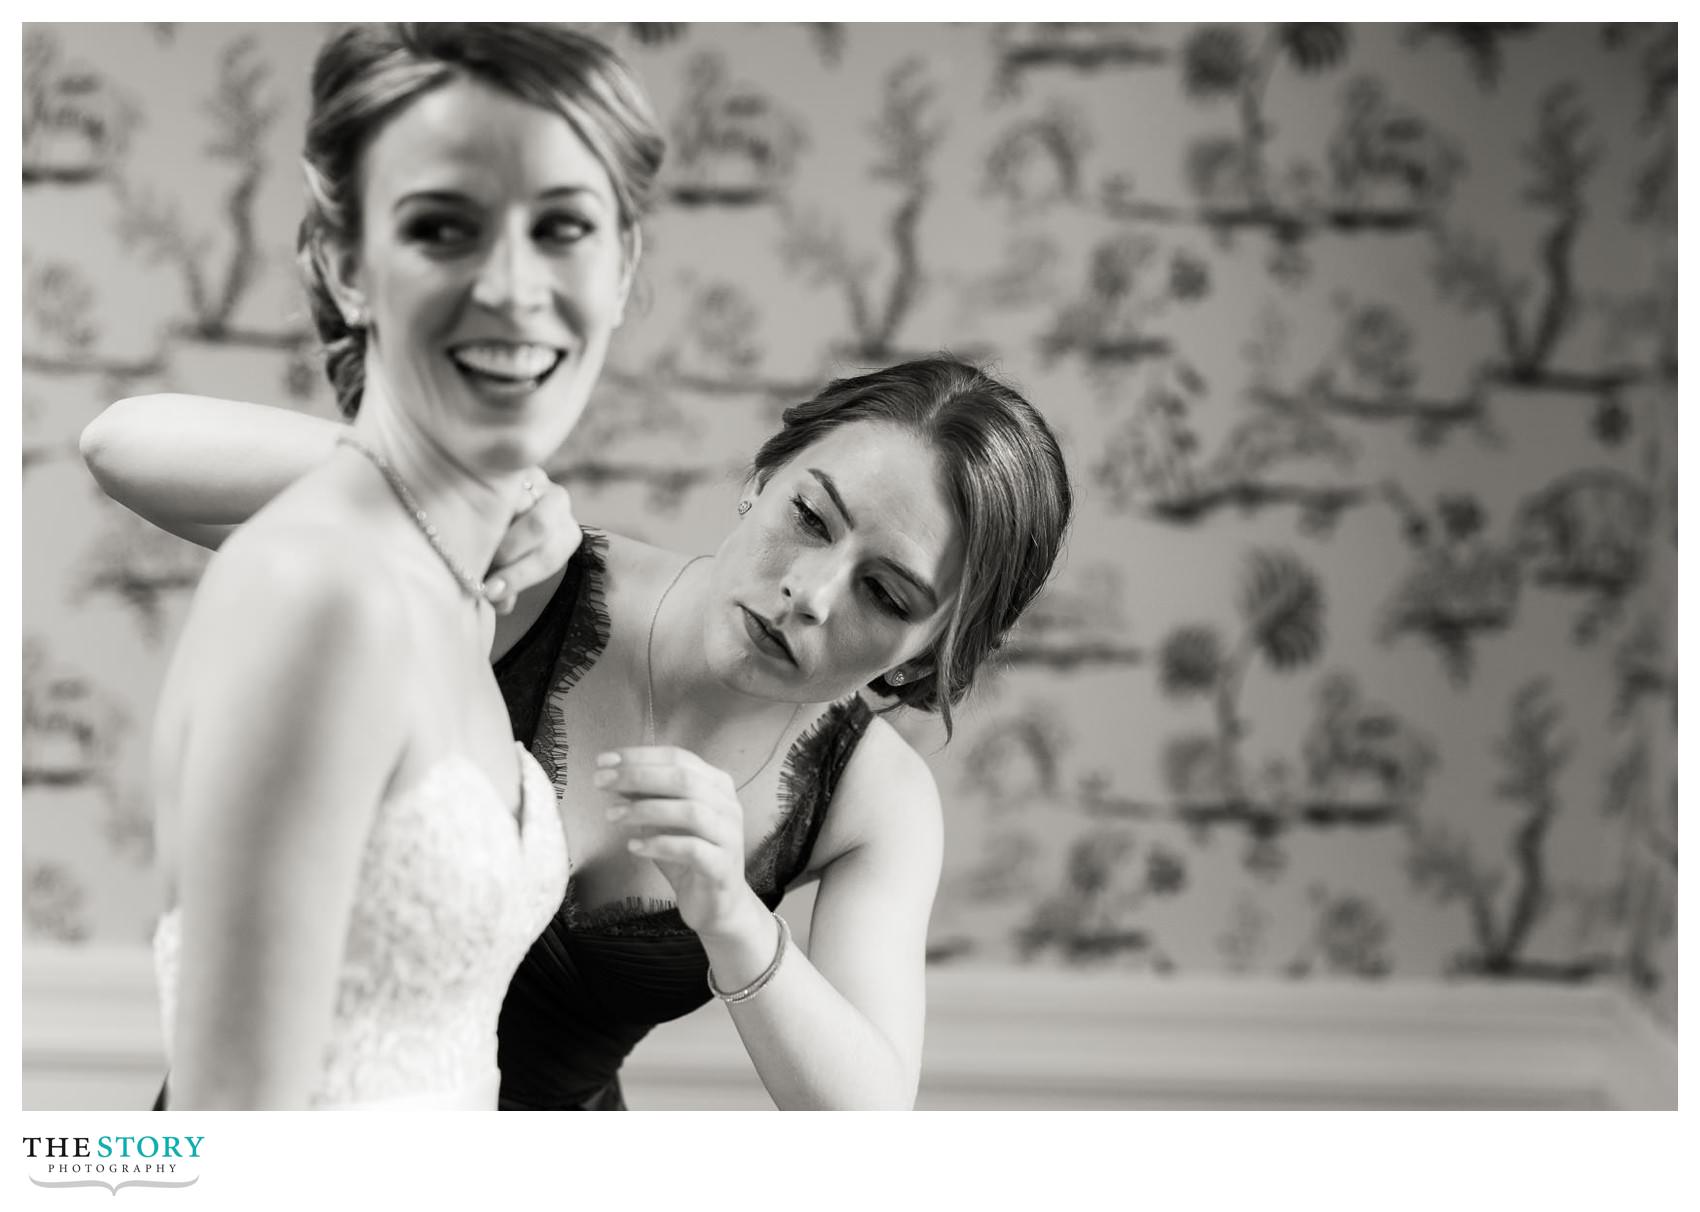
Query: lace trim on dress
point(806, 782)
point(635, 916)
point(586, 638)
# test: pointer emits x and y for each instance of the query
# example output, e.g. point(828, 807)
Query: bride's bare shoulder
point(303, 572)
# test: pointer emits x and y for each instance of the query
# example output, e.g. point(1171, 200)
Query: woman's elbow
point(896, 1102)
point(896, 1091)
point(872, 1087)
point(101, 442)
point(893, 1099)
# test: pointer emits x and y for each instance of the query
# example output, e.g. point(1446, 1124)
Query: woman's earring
point(355, 317)
point(743, 508)
point(896, 677)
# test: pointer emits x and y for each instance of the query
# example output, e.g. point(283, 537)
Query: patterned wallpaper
point(1361, 341)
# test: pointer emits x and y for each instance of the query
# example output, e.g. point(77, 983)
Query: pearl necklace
point(649, 684)
point(471, 584)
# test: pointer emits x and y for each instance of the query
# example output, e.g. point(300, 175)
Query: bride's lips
point(767, 637)
point(506, 367)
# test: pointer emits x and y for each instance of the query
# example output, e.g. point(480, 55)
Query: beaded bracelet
point(755, 986)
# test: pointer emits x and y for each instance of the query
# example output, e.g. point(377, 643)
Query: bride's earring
point(896, 677)
point(743, 508)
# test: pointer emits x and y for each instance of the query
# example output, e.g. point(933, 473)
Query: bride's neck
point(470, 511)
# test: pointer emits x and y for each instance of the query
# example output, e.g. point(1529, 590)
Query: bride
point(356, 853)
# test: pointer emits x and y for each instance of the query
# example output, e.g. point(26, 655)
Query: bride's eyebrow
point(439, 197)
point(559, 193)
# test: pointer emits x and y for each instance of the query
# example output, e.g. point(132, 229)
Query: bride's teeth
point(507, 361)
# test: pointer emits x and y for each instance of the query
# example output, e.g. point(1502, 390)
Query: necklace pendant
point(473, 587)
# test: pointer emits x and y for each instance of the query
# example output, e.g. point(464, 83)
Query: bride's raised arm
point(199, 466)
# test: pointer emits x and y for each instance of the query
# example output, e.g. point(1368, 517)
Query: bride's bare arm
point(285, 749)
point(198, 466)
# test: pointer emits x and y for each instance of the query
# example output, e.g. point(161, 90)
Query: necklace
point(649, 684)
point(471, 584)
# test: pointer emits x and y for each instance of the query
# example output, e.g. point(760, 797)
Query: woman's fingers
point(540, 539)
point(647, 779)
point(682, 814)
point(676, 767)
point(679, 848)
point(666, 789)
point(671, 816)
point(523, 536)
point(505, 581)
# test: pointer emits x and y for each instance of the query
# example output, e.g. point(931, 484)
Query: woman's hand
point(684, 815)
point(840, 1023)
point(541, 539)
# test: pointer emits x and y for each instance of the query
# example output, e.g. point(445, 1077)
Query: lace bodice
point(451, 892)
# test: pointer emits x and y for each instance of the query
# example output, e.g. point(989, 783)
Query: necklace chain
point(649, 683)
point(471, 584)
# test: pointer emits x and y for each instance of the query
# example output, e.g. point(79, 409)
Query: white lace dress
point(450, 896)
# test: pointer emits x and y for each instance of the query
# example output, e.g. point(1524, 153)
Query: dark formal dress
point(600, 977)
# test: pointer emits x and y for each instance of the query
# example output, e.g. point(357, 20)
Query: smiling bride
point(356, 853)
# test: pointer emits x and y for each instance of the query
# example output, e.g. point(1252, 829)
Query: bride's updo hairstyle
point(367, 74)
point(1006, 480)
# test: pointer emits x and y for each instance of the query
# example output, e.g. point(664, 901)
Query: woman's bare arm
point(842, 1027)
point(197, 466)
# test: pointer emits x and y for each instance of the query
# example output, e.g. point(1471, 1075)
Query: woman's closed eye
point(808, 519)
point(886, 601)
point(812, 523)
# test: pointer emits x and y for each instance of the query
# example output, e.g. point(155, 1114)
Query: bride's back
point(320, 563)
point(315, 625)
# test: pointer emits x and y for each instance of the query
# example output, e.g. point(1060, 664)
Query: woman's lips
point(764, 639)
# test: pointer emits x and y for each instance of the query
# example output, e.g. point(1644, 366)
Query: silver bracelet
point(755, 986)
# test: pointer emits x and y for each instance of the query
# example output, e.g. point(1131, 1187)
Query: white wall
point(1031, 1039)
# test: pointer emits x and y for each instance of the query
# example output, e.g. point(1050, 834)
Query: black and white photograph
point(942, 566)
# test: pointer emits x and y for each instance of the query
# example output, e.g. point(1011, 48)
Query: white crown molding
point(1641, 1059)
point(1035, 1038)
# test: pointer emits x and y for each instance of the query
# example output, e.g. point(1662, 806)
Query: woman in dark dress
point(711, 724)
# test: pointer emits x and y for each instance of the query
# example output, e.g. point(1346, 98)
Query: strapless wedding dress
point(452, 891)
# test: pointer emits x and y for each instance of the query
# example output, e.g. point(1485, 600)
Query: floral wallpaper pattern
point(1361, 340)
